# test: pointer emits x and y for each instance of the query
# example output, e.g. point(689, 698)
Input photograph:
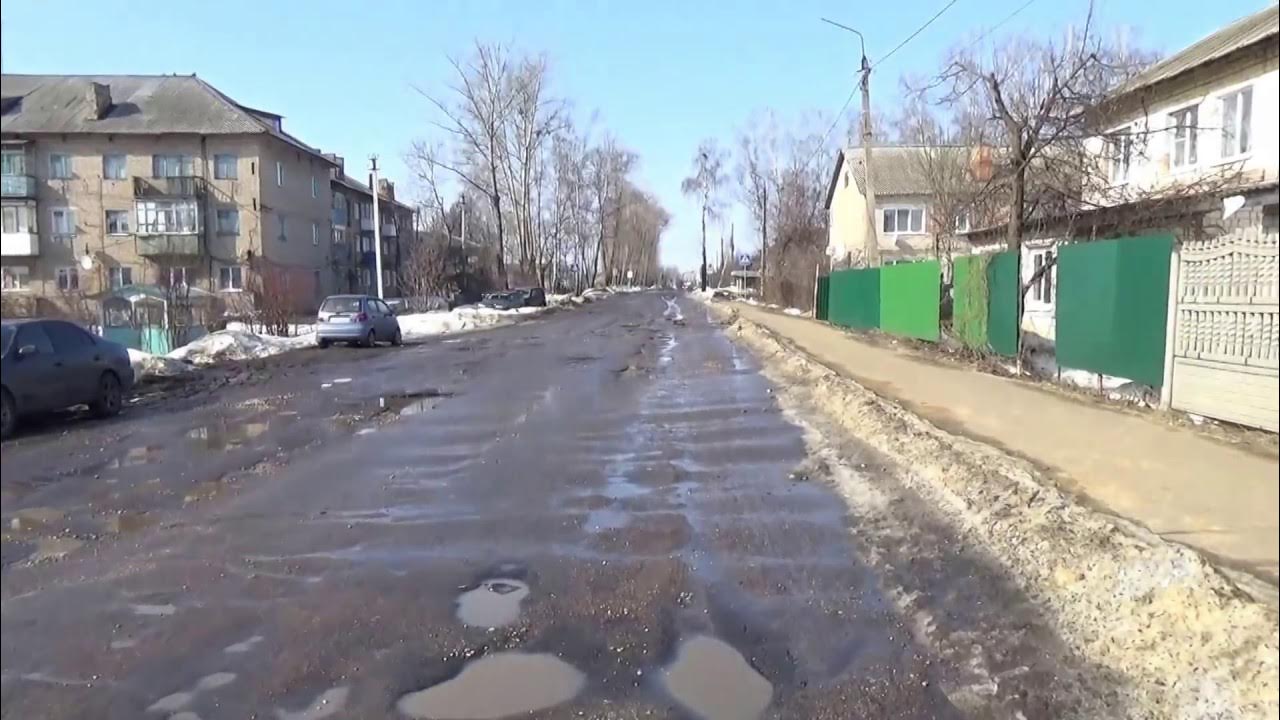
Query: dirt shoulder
point(1182, 636)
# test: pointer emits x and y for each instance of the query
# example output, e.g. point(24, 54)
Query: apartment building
point(354, 262)
point(165, 181)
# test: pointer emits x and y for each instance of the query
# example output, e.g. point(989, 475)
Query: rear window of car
point(67, 337)
point(341, 305)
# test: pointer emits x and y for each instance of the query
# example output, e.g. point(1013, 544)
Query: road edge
point(1191, 642)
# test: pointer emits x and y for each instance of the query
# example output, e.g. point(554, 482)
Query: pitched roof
point(1240, 34)
point(140, 104)
point(353, 184)
point(899, 169)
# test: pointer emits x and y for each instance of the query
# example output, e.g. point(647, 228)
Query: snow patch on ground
point(795, 311)
point(145, 365)
point(238, 345)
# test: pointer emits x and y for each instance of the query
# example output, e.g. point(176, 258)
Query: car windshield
point(6, 337)
point(341, 305)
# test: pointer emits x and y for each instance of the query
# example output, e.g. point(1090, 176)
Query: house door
point(1225, 358)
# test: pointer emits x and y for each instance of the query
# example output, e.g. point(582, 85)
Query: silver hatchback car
point(356, 319)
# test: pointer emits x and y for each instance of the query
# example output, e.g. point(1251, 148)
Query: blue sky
point(659, 74)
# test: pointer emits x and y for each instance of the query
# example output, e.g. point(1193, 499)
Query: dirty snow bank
point(145, 365)
point(238, 345)
point(1174, 637)
point(422, 325)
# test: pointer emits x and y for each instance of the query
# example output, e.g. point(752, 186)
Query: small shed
point(153, 319)
point(746, 280)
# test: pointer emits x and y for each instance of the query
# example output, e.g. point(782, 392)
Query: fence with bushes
point(985, 309)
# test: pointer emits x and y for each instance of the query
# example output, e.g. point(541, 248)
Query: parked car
point(53, 364)
point(465, 297)
point(535, 297)
point(356, 319)
point(509, 300)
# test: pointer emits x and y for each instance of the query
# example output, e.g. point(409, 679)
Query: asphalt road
point(602, 513)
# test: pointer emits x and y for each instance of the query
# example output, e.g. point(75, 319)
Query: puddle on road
point(154, 610)
point(496, 686)
point(36, 517)
point(606, 519)
point(713, 680)
point(243, 646)
point(177, 701)
point(327, 704)
point(618, 488)
point(226, 435)
point(494, 603)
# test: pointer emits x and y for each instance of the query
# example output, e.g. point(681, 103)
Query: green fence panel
point(854, 298)
point(909, 299)
point(1002, 303)
point(1112, 306)
point(969, 301)
point(824, 297)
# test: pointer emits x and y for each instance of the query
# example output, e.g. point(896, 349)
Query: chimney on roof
point(99, 98)
point(386, 188)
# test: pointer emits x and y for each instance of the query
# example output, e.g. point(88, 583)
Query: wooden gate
point(1225, 358)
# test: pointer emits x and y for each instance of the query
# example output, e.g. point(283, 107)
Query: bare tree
point(705, 184)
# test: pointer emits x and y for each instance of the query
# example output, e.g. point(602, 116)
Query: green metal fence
point(1112, 306)
point(909, 297)
point(854, 298)
point(824, 297)
point(970, 299)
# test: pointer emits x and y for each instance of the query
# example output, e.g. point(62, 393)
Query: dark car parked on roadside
point(509, 300)
point(48, 365)
point(535, 297)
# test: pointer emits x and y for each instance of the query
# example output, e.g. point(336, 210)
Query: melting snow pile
point(238, 345)
point(421, 325)
point(795, 311)
point(146, 365)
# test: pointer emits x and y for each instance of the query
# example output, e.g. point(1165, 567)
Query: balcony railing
point(18, 186)
point(366, 224)
point(388, 230)
point(156, 245)
point(169, 187)
point(367, 259)
point(19, 244)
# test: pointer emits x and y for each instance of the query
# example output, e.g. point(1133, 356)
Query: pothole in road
point(714, 681)
point(409, 403)
point(226, 435)
point(496, 686)
point(494, 603)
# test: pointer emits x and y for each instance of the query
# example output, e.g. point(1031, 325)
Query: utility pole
point(703, 274)
point(377, 228)
point(873, 234)
point(764, 243)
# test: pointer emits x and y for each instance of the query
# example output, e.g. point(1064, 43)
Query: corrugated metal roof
point(1239, 34)
point(899, 169)
point(140, 105)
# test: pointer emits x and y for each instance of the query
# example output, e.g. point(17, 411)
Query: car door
point(386, 320)
point(35, 375)
point(81, 360)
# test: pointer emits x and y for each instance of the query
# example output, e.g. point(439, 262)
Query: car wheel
point(397, 339)
point(370, 340)
point(8, 414)
point(322, 343)
point(110, 398)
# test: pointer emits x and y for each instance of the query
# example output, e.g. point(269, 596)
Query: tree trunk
point(704, 247)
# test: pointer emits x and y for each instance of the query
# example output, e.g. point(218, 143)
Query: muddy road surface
point(602, 513)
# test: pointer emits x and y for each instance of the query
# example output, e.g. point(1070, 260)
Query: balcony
point(168, 245)
point(169, 187)
point(367, 259)
point(340, 217)
point(366, 224)
point(18, 186)
point(19, 244)
point(388, 230)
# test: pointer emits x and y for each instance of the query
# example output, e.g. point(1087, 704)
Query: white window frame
point(26, 219)
point(68, 278)
point(1190, 144)
point(15, 161)
point(962, 223)
point(222, 229)
point(315, 190)
point(106, 221)
point(178, 276)
point(167, 216)
point(896, 210)
point(1233, 134)
point(16, 278)
point(161, 165)
point(116, 276)
point(339, 235)
point(1043, 293)
point(315, 234)
point(279, 173)
point(1118, 145)
point(223, 171)
point(69, 214)
point(107, 166)
point(231, 278)
point(65, 159)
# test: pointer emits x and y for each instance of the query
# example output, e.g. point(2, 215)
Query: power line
point(1000, 24)
point(919, 30)
point(827, 135)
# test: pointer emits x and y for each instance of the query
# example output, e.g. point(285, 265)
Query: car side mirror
point(28, 350)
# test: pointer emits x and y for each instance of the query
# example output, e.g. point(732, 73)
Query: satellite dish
point(86, 262)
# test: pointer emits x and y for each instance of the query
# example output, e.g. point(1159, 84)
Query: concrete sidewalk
point(1184, 486)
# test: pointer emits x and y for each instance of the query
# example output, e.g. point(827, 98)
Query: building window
point(231, 278)
point(1184, 123)
point(17, 278)
point(1119, 147)
point(59, 166)
point(315, 192)
point(386, 279)
point(1042, 290)
point(279, 174)
point(366, 244)
point(120, 276)
point(339, 236)
point(13, 162)
point(224, 167)
point(64, 221)
point(68, 278)
point(20, 219)
point(177, 277)
point(903, 220)
point(1237, 121)
point(117, 222)
point(283, 233)
point(315, 234)
point(366, 278)
point(166, 166)
point(961, 224)
point(228, 221)
point(168, 216)
point(113, 167)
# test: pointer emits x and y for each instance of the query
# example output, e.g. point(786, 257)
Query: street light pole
point(868, 139)
point(377, 227)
